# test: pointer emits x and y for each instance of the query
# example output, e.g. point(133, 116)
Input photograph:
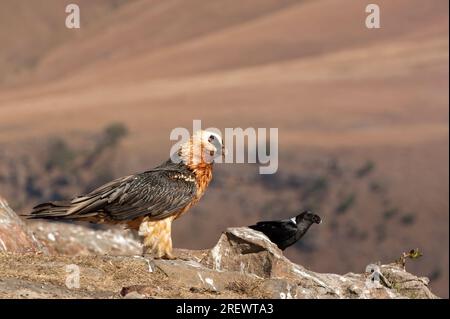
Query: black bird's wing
point(277, 231)
point(158, 194)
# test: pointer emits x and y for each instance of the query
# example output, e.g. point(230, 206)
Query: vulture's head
point(202, 148)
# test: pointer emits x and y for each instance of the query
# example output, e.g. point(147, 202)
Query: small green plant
point(314, 193)
point(112, 134)
point(408, 219)
point(376, 187)
point(60, 155)
point(317, 186)
point(391, 212)
point(346, 204)
point(366, 169)
point(109, 139)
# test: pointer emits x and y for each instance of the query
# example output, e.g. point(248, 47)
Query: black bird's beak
point(317, 220)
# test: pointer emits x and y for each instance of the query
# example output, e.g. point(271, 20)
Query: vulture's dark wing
point(157, 193)
point(277, 231)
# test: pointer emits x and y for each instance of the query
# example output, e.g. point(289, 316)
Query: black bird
point(287, 232)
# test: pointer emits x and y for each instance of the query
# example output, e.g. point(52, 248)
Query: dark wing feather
point(277, 231)
point(157, 193)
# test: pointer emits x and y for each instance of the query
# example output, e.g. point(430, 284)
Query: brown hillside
point(341, 95)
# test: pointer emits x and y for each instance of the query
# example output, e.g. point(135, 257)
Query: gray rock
point(72, 239)
point(243, 264)
point(14, 235)
point(250, 252)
